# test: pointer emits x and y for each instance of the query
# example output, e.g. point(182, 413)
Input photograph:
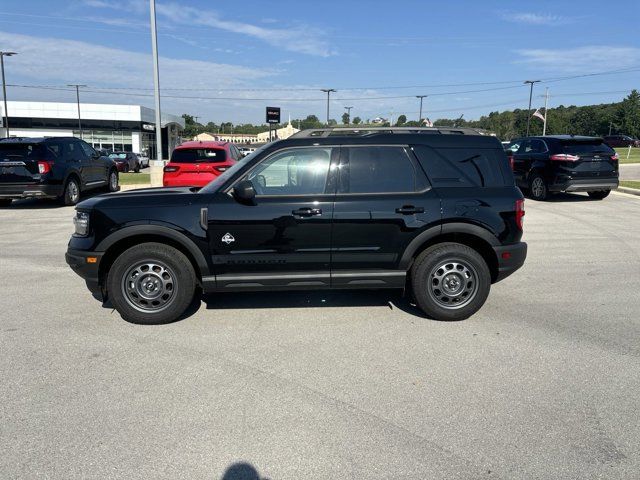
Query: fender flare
point(447, 228)
point(150, 229)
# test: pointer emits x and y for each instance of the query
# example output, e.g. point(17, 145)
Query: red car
point(194, 164)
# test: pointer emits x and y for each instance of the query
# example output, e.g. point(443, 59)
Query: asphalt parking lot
point(542, 383)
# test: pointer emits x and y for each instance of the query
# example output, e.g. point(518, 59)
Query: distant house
point(248, 138)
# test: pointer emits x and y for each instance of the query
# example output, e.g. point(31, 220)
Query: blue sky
point(225, 61)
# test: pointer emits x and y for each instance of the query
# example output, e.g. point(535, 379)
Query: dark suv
point(56, 167)
point(433, 209)
point(564, 163)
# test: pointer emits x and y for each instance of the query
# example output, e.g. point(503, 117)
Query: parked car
point(126, 161)
point(54, 167)
point(246, 150)
point(621, 141)
point(143, 160)
point(327, 208)
point(564, 163)
point(195, 164)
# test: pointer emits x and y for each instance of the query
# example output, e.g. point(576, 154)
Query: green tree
point(357, 121)
point(402, 119)
point(345, 118)
point(627, 116)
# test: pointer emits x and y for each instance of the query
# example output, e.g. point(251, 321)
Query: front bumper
point(30, 190)
point(79, 261)
point(585, 184)
point(510, 258)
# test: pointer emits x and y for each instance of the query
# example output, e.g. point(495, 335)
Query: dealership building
point(111, 127)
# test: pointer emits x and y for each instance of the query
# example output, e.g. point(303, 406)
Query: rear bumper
point(510, 258)
point(78, 261)
point(585, 184)
point(29, 190)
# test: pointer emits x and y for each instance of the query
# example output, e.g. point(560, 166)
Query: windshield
point(198, 155)
point(120, 156)
point(216, 183)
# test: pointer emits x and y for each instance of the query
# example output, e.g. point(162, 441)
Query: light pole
point(421, 97)
point(348, 109)
point(77, 86)
point(156, 78)
point(4, 90)
point(328, 92)
point(530, 82)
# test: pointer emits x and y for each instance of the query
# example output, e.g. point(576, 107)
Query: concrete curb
point(631, 191)
point(134, 186)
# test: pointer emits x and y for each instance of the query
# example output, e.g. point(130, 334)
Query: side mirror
point(95, 155)
point(244, 192)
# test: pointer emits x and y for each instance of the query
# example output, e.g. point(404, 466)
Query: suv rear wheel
point(538, 188)
point(450, 281)
point(151, 284)
point(112, 181)
point(71, 194)
point(599, 195)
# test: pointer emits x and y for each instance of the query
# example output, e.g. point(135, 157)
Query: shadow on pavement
point(44, 203)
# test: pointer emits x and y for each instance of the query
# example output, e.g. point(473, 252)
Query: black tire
point(113, 186)
point(71, 192)
point(538, 188)
point(156, 264)
point(136, 169)
point(599, 195)
point(467, 278)
point(5, 202)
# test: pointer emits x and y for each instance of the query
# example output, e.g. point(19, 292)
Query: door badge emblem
point(228, 238)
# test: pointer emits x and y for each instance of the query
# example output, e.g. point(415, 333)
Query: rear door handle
point(409, 210)
point(307, 212)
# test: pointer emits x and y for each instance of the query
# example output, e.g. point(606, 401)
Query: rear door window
point(381, 169)
point(198, 155)
point(463, 167)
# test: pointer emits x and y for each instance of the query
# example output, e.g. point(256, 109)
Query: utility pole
point(530, 82)
point(348, 109)
point(156, 78)
point(328, 92)
point(4, 90)
point(421, 97)
point(77, 86)
point(546, 101)
point(610, 125)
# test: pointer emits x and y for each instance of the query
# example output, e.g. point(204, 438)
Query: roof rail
point(368, 131)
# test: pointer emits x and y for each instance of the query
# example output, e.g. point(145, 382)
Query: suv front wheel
point(450, 281)
point(151, 284)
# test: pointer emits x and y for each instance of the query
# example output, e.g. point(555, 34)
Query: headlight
point(81, 222)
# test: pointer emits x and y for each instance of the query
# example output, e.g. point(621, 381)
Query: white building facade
point(107, 126)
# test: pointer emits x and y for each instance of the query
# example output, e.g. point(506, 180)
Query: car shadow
point(566, 198)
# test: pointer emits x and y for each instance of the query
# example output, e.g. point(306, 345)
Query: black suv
point(56, 167)
point(433, 209)
point(564, 163)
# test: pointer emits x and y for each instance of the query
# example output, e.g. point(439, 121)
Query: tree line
point(618, 118)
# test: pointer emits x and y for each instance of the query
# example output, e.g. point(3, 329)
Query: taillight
point(565, 157)
point(44, 167)
point(615, 157)
point(511, 161)
point(519, 213)
point(169, 169)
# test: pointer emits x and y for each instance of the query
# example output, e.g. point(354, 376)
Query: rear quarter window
point(464, 167)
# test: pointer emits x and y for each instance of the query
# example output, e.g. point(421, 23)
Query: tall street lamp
point(348, 109)
point(530, 82)
point(4, 90)
point(328, 92)
point(156, 78)
point(421, 97)
point(78, 103)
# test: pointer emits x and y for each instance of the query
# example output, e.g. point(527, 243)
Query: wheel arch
point(128, 237)
point(474, 236)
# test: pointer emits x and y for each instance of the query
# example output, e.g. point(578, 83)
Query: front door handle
point(307, 212)
point(409, 210)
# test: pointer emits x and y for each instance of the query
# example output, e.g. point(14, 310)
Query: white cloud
point(580, 59)
point(535, 18)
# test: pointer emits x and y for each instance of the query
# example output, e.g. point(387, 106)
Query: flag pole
point(546, 99)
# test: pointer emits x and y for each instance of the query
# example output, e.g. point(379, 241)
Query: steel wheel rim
point(453, 284)
point(537, 187)
point(73, 191)
point(149, 286)
point(113, 180)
